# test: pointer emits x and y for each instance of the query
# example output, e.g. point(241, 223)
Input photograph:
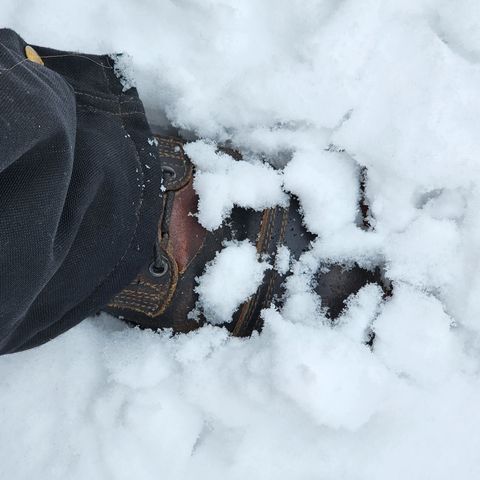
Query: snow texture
point(222, 182)
point(324, 89)
point(123, 68)
point(228, 281)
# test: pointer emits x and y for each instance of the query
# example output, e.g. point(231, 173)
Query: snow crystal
point(282, 260)
point(123, 68)
point(153, 142)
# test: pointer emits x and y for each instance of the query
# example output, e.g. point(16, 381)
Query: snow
point(282, 260)
point(327, 186)
point(322, 89)
point(123, 68)
point(229, 280)
point(221, 182)
point(415, 337)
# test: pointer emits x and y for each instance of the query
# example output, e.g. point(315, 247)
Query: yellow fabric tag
point(32, 55)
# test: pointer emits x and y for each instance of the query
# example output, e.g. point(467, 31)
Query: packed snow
point(323, 89)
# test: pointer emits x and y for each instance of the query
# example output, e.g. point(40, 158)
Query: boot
point(163, 293)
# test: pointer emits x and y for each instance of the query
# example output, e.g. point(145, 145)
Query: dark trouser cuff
point(80, 190)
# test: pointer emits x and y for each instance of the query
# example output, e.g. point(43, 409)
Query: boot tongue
point(186, 234)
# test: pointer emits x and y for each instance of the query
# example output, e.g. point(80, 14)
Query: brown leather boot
point(163, 294)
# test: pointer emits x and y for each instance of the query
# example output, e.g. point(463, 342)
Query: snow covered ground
point(394, 86)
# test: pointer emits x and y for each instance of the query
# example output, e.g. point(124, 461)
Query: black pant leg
point(79, 190)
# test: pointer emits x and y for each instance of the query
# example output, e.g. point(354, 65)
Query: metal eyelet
point(166, 170)
point(156, 271)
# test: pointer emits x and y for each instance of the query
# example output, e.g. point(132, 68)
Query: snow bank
point(323, 89)
point(108, 401)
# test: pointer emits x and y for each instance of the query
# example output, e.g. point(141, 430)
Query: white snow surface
point(229, 280)
point(222, 182)
point(323, 89)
